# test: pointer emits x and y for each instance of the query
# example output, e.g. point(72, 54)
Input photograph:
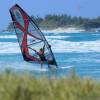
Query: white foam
point(14, 37)
point(65, 67)
point(31, 68)
point(58, 46)
point(9, 47)
point(67, 46)
point(57, 37)
point(8, 36)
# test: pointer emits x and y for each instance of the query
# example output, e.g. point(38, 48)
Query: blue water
point(80, 51)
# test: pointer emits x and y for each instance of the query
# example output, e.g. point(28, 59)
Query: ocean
point(80, 51)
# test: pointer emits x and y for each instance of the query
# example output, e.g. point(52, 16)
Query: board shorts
point(42, 57)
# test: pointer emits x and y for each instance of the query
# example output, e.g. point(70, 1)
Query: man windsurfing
point(41, 56)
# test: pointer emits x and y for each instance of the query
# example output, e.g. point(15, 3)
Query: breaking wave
point(58, 46)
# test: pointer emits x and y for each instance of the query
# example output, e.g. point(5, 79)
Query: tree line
point(63, 21)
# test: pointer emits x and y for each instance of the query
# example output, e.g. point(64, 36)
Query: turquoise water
point(80, 51)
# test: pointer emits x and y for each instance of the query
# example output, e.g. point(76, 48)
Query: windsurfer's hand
point(49, 46)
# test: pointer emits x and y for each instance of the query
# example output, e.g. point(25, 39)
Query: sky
point(84, 8)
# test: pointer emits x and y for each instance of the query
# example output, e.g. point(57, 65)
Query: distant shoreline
point(63, 30)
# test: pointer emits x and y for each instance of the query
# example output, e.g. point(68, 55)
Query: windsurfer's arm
point(34, 50)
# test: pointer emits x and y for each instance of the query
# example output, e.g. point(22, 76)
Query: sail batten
point(30, 37)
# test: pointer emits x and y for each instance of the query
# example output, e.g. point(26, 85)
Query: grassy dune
point(14, 87)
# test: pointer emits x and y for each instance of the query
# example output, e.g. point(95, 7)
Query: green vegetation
point(15, 87)
point(56, 21)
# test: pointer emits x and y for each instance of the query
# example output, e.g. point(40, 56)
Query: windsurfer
point(41, 55)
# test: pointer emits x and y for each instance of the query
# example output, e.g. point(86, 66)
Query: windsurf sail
point(30, 37)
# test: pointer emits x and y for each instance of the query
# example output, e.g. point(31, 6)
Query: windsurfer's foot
point(41, 66)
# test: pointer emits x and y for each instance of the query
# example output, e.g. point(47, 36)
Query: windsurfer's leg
point(41, 64)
